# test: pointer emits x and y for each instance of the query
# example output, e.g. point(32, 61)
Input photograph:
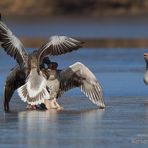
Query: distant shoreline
point(33, 42)
point(74, 16)
point(74, 8)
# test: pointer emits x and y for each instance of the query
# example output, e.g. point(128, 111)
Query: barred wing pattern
point(78, 75)
point(12, 45)
point(58, 45)
point(34, 90)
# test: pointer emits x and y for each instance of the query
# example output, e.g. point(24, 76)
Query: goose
point(146, 71)
point(76, 75)
point(16, 78)
point(30, 63)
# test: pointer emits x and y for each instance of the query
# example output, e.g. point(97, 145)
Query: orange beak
point(145, 55)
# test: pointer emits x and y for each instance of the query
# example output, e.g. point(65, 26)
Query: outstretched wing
point(12, 45)
point(15, 79)
point(78, 75)
point(58, 45)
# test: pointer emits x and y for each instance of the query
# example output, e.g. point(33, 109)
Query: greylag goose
point(146, 72)
point(29, 63)
point(14, 80)
point(76, 75)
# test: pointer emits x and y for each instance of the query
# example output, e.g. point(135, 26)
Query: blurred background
point(75, 8)
point(101, 23)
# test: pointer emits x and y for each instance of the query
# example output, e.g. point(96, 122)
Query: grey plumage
point(77, 75)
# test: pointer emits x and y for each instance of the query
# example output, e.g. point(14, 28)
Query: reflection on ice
point(54, 127)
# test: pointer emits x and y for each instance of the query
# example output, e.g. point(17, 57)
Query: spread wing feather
point(34, 91)
point(12, 45)
point(78, 75)
point(58, 45)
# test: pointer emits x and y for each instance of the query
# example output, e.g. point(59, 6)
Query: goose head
point(146, 57)
point(53, 65)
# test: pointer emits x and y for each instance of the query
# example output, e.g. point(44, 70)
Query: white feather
point(34, 88)
point(20, 93)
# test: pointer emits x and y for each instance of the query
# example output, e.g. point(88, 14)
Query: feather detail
point(22, 92)
point(34, 91)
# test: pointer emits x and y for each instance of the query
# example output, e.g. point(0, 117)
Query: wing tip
point(101, 106)
point(20, 93)
point(82, 42)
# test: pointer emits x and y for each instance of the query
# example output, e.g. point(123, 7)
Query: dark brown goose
point(29, 64)
point(76, 75)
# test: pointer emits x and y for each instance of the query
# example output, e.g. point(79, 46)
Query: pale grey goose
point(36, 82)
point(76, 75)
point(146, 71)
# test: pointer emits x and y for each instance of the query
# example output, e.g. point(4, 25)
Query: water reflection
point(54, 127)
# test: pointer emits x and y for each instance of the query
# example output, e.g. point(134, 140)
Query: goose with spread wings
point(29, 63)
point(76, 75)
point(15, 79)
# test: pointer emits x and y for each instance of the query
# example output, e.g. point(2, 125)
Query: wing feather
point(78, 75)
point(34, 91)
point(58, 45)
point(12, 45)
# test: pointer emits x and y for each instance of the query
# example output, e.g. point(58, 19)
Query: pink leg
point(56, 103)
point(52, 104)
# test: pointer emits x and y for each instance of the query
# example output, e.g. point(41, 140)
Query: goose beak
point(146, 56)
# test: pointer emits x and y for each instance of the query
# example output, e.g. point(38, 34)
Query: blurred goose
point(76, 75)
point(29, 64)
point(146, 71)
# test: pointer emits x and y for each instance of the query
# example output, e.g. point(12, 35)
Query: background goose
point(56, 45)
point(76, 75)
point(146, 71)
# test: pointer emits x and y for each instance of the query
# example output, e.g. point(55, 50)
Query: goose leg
point(56, 104)
point(52, 104)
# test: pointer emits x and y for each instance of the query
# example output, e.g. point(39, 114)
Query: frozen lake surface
point(124, 122)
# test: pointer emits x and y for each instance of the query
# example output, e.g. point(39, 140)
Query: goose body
point(76, 75)
point(53, 84)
